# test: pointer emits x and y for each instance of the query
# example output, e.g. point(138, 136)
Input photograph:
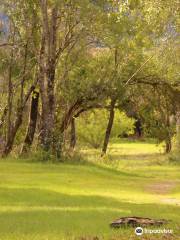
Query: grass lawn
point(45, 201)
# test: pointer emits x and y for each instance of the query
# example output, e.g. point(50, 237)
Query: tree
point(19, 86)
point(73, 134)
point(92, 124)
point(80, 55)
point(32, 122)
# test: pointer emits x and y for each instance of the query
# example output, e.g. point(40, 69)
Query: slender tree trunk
point(13, 128)
point(10, 140)
point(10, 95)
point(168, 142)
point(109, 127)
point(10, 132)
point(138, 128)
point(111, 112)
point(18, 121)
point(2, 138)
point(168, 145)
point(73, 134)
point(69, 115)
point(32, 122)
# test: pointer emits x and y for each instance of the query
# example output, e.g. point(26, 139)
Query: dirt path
point(164, 188)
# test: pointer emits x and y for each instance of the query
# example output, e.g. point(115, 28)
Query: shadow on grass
point(44, 211)
point(40, 197)
point(82, 162)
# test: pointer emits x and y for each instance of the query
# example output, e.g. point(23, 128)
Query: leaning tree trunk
point(69, 114)
point(9, 144)
point(32, 122)
point(13, 128)
point(18, 121)
point(109, 127)
point(73, 134)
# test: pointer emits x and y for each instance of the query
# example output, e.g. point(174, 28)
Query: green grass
point(42, 201)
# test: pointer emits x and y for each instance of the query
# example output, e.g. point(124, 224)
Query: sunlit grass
point(45, 201)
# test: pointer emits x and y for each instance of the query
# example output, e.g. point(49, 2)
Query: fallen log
point(137, 221)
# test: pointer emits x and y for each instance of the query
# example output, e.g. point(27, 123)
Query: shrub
point(91, 126)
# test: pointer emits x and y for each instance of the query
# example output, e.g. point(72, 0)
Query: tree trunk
point(13, 128)
point(168, 142)
point(9, 143)
point(47, 69)
point(73, 134)
point(10, 130)
point(32, 122)
point(10, 96)
point(18, 121)
point(3, 117)
point(109, 127)
point(69, 115)
point(168, 145)
point(138, 128)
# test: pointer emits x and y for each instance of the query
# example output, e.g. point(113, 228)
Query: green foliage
point(156, 127)
point(174, 157)
point(89, 35)
point(91, 126)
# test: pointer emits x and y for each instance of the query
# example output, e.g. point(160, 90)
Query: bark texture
point(47, 68)
point(168, 146)
point(109, 127)
point(73, 134)
point(3, 117)
point(32, 122)
point(17, 123)
point(69, 115)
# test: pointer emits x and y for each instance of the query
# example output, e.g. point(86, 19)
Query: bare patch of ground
point(162, 187)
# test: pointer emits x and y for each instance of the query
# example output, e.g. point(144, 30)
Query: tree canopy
point(80, 56)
